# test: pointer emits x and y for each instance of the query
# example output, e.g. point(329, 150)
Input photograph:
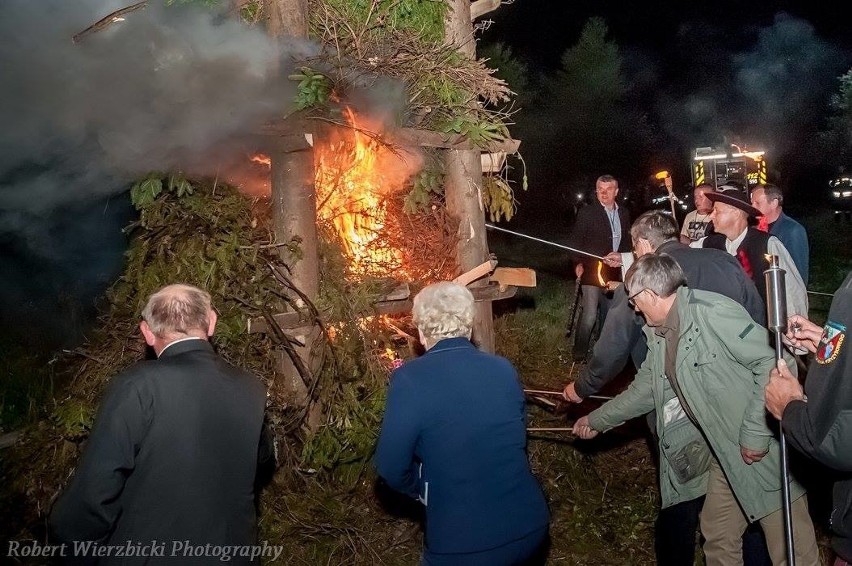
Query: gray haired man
point(707, 365)
point(172, 458)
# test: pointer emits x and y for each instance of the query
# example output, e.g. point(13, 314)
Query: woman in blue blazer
point(454, 437)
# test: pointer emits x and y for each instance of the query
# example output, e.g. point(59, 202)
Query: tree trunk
point(294, 210)
point(463, 185)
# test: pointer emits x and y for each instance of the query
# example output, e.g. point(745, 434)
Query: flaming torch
point(776, 309)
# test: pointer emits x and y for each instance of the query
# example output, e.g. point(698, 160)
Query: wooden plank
point(477, 272)
point(492, 292)
point(296, 320)
point(517, 276)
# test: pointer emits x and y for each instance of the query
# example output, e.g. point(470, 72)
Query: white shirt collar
point(170, 344)
point(733, 245)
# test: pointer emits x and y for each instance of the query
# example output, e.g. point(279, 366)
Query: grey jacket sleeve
point(620, 337)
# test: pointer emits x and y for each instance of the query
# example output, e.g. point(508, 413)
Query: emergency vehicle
point(718, 165)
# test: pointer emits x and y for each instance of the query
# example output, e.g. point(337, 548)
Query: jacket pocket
point(683, 446)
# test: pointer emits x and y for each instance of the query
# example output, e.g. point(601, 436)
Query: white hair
point(177, 310)
point(444, 310)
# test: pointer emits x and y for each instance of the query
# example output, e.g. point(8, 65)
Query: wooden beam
point(296, 320)
point(517, 276)
point(428, 138)
point(397, 301)
point(482, 7)
point(492, 292)
point(477, 272)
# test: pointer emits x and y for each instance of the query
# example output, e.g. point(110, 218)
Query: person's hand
point(613, 259)
point(612, 285)
point(583, 430)
point(751, 456)
point(802, 333)
point(782, 388)
point(570, 394)
point(578, 270)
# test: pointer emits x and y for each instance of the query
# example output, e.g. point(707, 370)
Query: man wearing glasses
point(705, 372)
point(622, 337)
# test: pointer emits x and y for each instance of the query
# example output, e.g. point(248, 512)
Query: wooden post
point(463, 184)
point(294, 211)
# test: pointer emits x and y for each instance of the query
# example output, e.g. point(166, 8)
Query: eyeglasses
point(630, 300)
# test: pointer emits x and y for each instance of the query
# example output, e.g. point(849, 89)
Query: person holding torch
point(818, 419)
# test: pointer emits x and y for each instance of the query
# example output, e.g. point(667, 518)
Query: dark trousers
point(674, 537)
point(528, 551)
point(595, 303)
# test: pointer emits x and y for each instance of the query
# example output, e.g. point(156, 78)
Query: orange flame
point(600, 274)
point(355, 174)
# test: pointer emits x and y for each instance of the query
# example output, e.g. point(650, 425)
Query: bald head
point(175, 312)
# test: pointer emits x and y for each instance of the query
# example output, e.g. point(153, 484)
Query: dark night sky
point(759, 74)
point(541, 30)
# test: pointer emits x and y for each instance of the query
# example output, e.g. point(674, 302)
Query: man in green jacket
point(706, 368)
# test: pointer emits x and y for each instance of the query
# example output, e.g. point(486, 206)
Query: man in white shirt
point(697, 223)
point(730, 217)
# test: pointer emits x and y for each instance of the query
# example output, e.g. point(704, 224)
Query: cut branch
point(107, 21)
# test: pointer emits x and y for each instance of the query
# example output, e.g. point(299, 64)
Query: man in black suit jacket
point(170, 465)
point(601, 227)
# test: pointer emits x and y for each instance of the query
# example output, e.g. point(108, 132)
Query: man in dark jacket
point(769, 200)
point(819, 424)
point(601, 228)
point(170, 465)
point(622, 336)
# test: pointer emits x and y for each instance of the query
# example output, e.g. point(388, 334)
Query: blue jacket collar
point(451, 344)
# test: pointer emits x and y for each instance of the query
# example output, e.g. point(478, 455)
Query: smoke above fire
point(168, 88)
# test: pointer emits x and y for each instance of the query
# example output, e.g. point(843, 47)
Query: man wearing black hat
point(730, 217)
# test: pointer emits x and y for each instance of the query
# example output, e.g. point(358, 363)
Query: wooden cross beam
point(392, 303)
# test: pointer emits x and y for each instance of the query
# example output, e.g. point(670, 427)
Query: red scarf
point(743, 259)
point(763, 224)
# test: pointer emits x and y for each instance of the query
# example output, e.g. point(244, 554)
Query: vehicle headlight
point(847, 194)
point(836, 194)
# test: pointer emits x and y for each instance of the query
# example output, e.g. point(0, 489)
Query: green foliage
point(314, 88)
point(498, 198)
point(508, 67)
point(73, 419)
point(251, 11)
point(479, 132)
point(145, 191)
point(346, 442)
point(423, 18)
point(427, 184)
